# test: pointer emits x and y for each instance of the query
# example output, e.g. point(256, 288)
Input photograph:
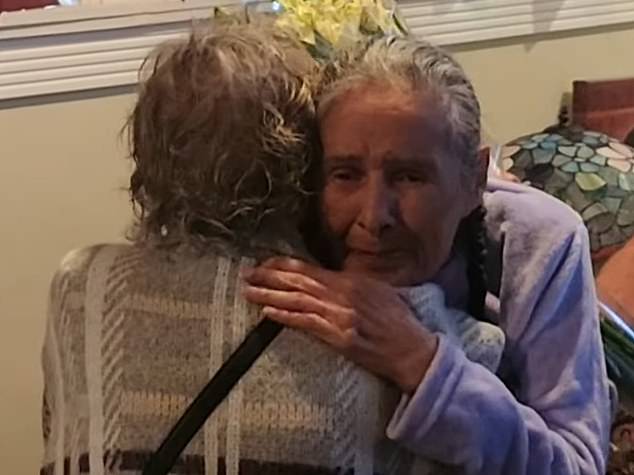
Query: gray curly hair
point(222, 134)
point(419, 66)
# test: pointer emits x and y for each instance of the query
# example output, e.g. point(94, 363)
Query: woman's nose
point(378, 207)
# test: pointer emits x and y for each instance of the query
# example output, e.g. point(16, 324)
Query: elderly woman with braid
point(404, 200)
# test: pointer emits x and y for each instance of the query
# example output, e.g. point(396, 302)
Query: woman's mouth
point(383, 254)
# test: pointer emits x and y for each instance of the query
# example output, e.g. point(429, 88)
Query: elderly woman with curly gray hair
point(416, 353)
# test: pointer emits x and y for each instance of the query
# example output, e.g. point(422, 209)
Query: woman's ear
point(483, 170)
point(473, 197)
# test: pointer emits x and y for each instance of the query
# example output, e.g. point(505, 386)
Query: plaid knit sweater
point(134, 334)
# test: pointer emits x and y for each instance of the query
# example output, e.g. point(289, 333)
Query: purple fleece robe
point(553, 414)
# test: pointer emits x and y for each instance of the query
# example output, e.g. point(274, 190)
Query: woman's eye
point(407, 177)
point(345, 175)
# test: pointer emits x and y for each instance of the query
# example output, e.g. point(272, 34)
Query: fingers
point(288, 264)
point(310, 323)
point(292, 301)
point(273, 278)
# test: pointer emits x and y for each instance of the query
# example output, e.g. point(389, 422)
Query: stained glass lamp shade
point(591, 172)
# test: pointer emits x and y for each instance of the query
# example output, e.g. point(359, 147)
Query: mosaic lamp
point(590, 171)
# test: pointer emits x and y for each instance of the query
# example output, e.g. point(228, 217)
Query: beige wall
point(62, 170)
point(61, 174)
point(520, 82)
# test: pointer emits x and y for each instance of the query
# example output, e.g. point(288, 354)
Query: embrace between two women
point(437, 323)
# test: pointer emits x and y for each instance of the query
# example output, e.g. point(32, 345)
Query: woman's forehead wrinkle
point(332, 161)
point(403, 159)
point(344, 143)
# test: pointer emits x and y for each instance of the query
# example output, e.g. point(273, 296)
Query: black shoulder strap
point(211, 396)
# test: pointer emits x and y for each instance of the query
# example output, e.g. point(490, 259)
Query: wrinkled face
point(393, 195)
